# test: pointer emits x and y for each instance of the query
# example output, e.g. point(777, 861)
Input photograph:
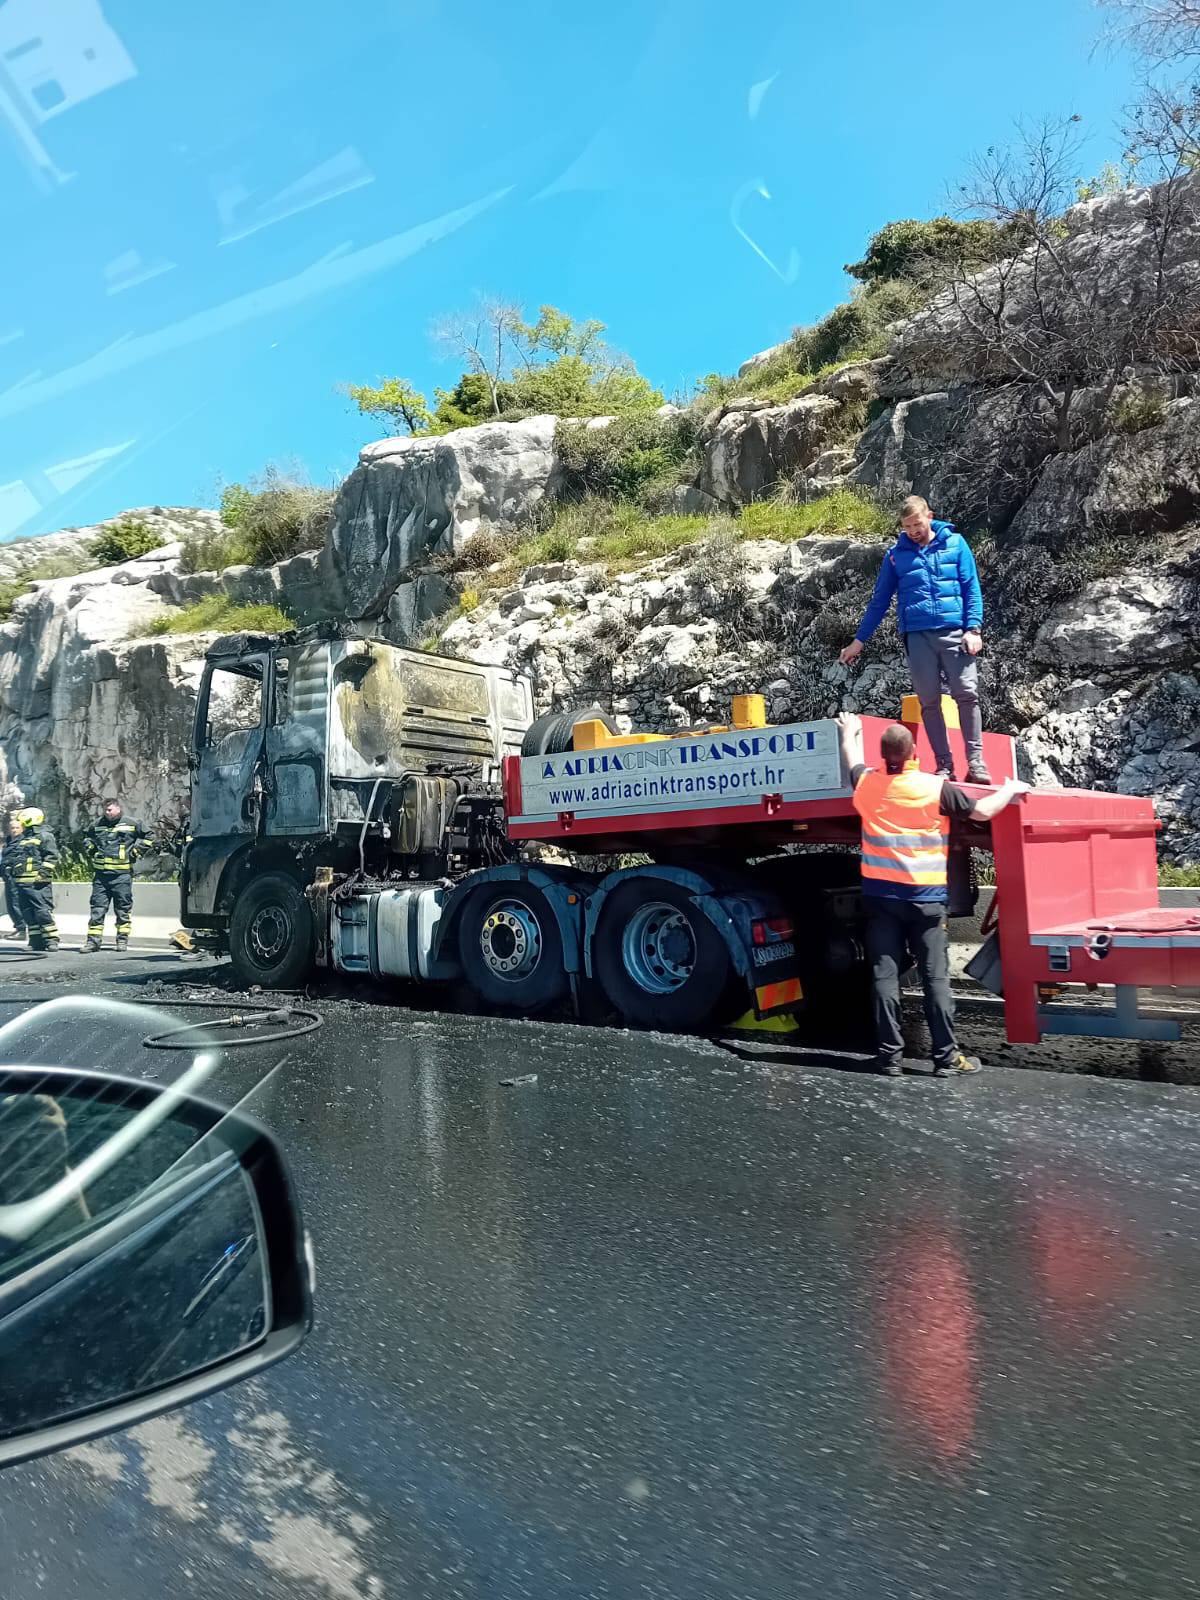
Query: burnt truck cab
point(319, 749)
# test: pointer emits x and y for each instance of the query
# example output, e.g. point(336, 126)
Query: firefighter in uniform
point(19, 930)
point(905, 815)
point(114, 845)
point(29, 867)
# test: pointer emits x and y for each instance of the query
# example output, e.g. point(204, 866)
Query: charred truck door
point(227, 790)
point(296, 775)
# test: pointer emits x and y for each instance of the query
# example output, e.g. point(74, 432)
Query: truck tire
point(511, 950)
point(271, 934)
point(551, 735)
point(660, 961)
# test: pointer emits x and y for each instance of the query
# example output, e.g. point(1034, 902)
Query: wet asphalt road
point(674, 1321)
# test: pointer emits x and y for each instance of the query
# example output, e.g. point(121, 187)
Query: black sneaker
point(889, 1066)
point(944, 769)
point(977, 772)
point(961, 1067)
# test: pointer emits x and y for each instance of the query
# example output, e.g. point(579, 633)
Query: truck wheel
point(271, 935)
point(511, 950)
point(659, 959)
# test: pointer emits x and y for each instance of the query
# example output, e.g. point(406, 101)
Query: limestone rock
point(1111, 254)
point(1139, 620)
point(749, 448)
point(1123, 483)
point(410, 498)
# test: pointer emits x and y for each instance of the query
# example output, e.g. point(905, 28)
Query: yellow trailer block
point(910, 710)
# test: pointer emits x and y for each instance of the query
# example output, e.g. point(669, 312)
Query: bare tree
point(1160, 30)
point(1072, 316)
point(482, 338)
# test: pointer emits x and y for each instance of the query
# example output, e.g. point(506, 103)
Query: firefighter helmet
point(31, 817)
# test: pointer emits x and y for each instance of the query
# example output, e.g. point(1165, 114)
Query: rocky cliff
point(1090, 556)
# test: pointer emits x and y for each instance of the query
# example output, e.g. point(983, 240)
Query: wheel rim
point(510, 941)
point(658, 947)
point(269, 935)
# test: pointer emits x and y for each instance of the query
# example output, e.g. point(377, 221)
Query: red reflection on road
point(929, 1328)
point(1082, 1270)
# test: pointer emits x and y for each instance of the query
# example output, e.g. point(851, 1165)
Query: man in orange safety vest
point(905, 815)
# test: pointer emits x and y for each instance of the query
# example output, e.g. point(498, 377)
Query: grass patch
point(213, 551)
point(843, 511)
point(623, 536)
point(1170, 877)
point(777, 381)
point(61, 566)
point(616, 532)
point(217, 613)
point(1136, 408)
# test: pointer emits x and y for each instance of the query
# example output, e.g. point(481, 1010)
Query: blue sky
point(218, 213)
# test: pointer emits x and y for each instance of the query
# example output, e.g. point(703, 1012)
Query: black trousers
point(895, 929)
point(13, 909)
point(35, 903)
point(116, 887)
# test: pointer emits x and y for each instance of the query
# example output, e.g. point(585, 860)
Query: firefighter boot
point(91, 946)
point(122, 941)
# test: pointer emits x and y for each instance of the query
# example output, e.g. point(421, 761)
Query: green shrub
point(74, 864)
point(918, 252)
point(1135, 408)
point(217, 613)
point(843, 511)
point(631, 458)
point(213, 551)
point(276, 516)
point(124, 540)
point(857, 329)
point(853, 331)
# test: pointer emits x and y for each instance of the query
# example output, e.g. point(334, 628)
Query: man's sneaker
point(977, 772)
point(91, 947)
point(962, 1066)
point(945, 769)
point(889, 1066)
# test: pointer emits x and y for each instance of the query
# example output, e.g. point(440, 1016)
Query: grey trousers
point(895, 929)
point(932, 656)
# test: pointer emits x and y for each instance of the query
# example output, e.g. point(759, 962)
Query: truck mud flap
point(733, 906)
point(984, 966)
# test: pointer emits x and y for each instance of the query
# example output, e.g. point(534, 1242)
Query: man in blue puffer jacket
point(931, 572)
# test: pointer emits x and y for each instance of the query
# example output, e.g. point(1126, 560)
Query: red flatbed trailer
point(1076, 900)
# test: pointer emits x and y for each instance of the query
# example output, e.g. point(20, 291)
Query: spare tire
point(551, 734)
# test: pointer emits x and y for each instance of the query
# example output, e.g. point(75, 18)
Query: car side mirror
point(151, 1252)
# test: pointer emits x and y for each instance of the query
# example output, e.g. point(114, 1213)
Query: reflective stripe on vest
point(32, 868)
point(114, 853)
point(904, 834)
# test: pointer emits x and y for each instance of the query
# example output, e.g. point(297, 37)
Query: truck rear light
point(770, 929)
